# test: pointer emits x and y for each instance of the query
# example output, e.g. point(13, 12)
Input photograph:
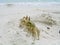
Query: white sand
point(11, 34)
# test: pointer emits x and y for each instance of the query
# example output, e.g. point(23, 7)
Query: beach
point(11, 13)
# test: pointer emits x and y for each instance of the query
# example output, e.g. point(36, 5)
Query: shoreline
point(29, 2)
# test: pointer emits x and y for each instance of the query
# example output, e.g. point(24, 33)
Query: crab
point(30, 27)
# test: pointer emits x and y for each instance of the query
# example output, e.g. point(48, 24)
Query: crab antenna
point(29, 17)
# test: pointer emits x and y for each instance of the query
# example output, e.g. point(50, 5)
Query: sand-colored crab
point(30, 27)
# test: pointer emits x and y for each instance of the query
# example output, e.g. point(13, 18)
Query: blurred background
point(10, 1)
